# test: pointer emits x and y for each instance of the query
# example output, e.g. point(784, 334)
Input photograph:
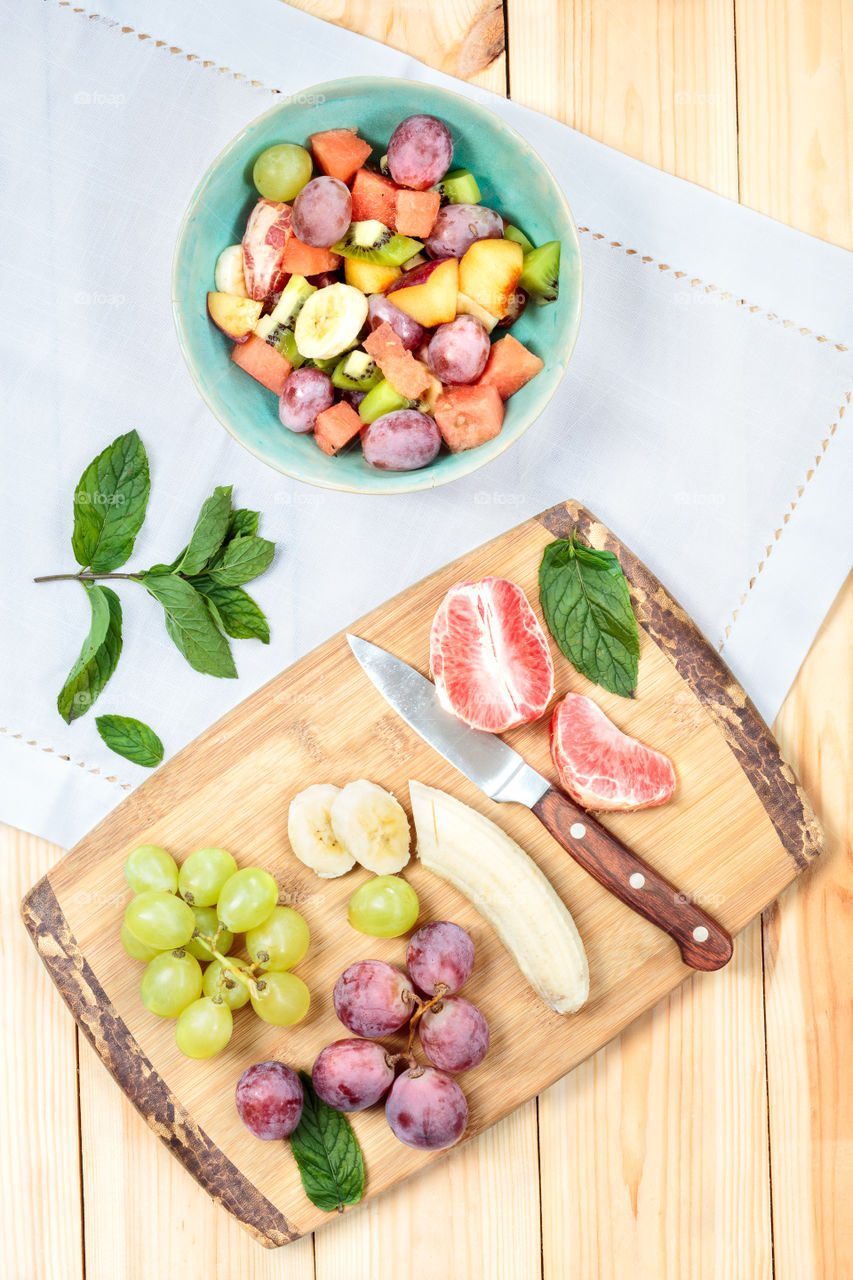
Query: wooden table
point(713, 1139)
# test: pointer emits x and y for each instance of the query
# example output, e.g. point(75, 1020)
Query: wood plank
point(41, 1230)
point(230, 788)
point(145, 1215)
point(465, 38)
point(809, 965)
point(653, 80)
point(636, 1176)
point(654, 1153)
point(795, 81)
point(795, 98)
point(474, 1214)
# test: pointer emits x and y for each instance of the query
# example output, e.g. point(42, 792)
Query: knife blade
point(506, 777)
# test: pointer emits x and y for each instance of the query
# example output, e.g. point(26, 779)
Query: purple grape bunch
point(425, 1107)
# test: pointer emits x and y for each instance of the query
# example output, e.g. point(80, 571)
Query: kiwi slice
point(356, 372)
point(513, 233)
point(277, 327)
point(382, 399)
point(285, 344)
point(325, 366)
point(541, 273)
point(458, 187)
point(372, 241)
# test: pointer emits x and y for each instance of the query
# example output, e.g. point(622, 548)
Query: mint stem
point(85, 577)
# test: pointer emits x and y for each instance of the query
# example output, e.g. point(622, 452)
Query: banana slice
point(309, 828)
point(228, 274)
point(330, 321)
point(370, 823)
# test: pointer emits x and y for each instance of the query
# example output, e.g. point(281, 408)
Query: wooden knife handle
point(703, 943)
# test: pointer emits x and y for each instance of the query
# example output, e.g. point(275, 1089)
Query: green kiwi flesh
point(541, 273)
point(513, 233)
point(458, 187)
point(382, 399)
point(372, 241)
point(356, 372)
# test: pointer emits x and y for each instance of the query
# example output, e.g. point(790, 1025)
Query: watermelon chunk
point(339, 152)
point(263, 362)
point(509, 366)
point(468, 416)
point(407, 375)
point(416, 211)
point(374, 197)
point(305, 260)
point(336, 426)
point(600, 766)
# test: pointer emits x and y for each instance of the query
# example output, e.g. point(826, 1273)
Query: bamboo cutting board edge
point(676, 637)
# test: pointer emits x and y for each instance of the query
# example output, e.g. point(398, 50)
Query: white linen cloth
point(702, 416)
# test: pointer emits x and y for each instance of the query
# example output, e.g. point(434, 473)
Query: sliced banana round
point(228, 273)
point(309, 828)
point(330, 321)
point(373, 826)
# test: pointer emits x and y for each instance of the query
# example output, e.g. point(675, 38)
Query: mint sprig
point(326, 1150)
point(200, 590)
point(131, 738)
point(587, 606)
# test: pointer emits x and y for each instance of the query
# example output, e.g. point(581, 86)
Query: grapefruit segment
point(489, 656)
point(600, 766)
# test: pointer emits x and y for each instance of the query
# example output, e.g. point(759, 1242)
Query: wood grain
point(654, 1152)
point(795, 82)
point(465, 38)
point(736, 827)
point(40, 1197)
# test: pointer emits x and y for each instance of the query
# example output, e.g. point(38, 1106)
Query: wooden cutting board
point(737, 831)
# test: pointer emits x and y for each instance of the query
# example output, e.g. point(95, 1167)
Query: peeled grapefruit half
point(600, 766)
point(489, 656)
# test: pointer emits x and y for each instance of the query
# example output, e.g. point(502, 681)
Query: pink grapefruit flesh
point(600, 766)
point(489, 656)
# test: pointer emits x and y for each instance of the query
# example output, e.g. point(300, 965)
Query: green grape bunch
point(181, 923)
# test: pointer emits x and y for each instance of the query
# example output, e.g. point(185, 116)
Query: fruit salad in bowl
point(399, 294)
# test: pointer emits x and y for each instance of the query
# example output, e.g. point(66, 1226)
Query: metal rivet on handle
point(700, 933)
point(577, 831)
point(637, 880)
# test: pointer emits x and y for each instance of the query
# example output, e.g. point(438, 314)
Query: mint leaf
point(243, 524)
point(109, 505)
point(189, 624)
point(98, 657)
point(244, 558)
point(234, 610)
point(211, 529)
point(587, 607)
point(326, 1150)
point(131, 738)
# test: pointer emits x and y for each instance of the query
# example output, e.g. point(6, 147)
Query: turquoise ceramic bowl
point(512, 180)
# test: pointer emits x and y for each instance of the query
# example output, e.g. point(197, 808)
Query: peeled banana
point(228, 274)
point(309, 829)
point(330, 321)
point(372, 826)
point(510, 892)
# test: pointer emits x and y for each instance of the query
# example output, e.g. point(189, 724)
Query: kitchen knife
point(504, 775)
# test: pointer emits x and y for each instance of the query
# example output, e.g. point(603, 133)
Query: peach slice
point(489, 272)
point(428, 293)
point(369, 277)
point(466, 306)
point(235, 316)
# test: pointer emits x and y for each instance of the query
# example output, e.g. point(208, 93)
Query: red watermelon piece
point(339, 152)
point(600, 766)
point(374, 196)
point(263, 362)
point(489, 656)
point(509, 366)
